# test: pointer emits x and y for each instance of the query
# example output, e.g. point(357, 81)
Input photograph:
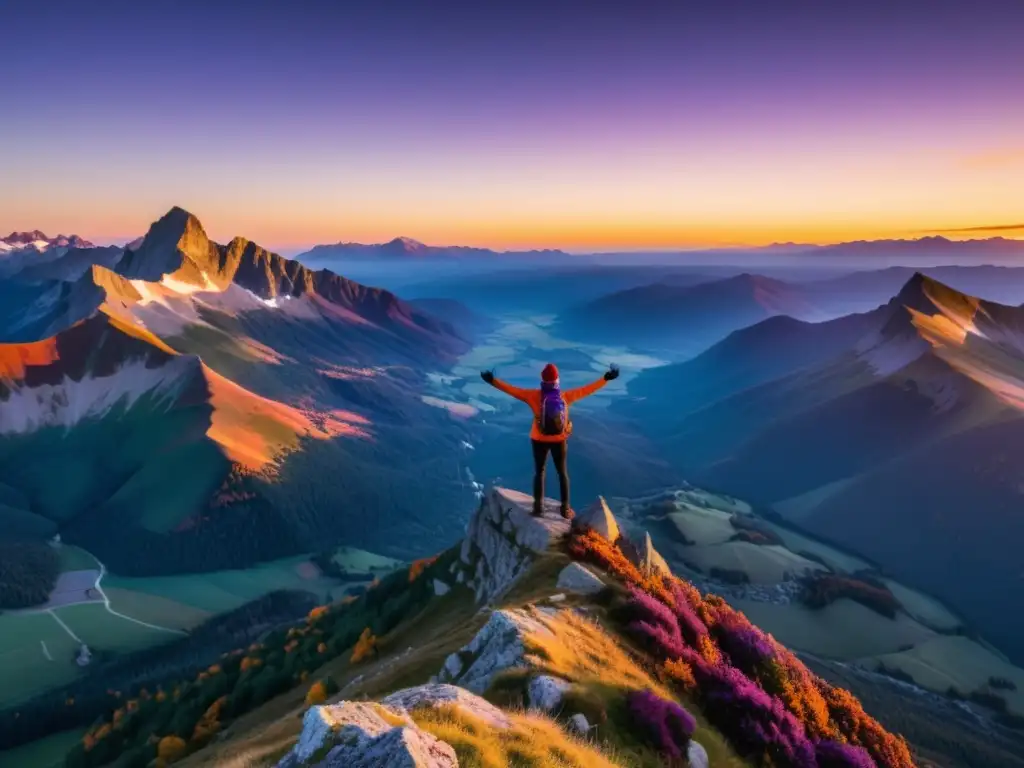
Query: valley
point(241, 437)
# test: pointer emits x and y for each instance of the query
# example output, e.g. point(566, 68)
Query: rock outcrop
point(502, 541)
point(439, 694)
point(599, 517)
point(356, 734)
point(697, 756)
point(645, 556)
point(546, 692)
point(579, 579)
point(500, 645)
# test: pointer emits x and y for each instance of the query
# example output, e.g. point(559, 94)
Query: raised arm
point(517, 392)
point(572, 395)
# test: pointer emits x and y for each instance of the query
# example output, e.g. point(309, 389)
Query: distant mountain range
point(209, 406)
point(38, 241)
point(684, 319)
point(922, 246)
point(897, 433)
point(406, 248)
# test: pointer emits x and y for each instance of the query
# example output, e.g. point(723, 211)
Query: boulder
point(440, 588)
point(502, 540)
point(651, 560)
point(697, 755)
point(645, 557)
point(579, 579)
point(546, 692)
point(579, 724)
point(440, 694)
point(356, 735)
point(599, 517)
point(498, 646)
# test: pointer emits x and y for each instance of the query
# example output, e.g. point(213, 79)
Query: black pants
point(540, 459)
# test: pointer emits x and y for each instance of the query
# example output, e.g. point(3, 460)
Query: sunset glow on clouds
point(573, 125)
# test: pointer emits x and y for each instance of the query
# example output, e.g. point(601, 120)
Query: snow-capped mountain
point(38, 241)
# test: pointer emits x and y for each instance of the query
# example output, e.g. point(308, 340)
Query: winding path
point(106, 604)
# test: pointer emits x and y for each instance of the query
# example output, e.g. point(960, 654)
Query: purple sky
point(572, 124)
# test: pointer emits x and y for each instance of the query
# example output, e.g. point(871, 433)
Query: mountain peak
point(405, 245)
point(38, 240)
point(174, 242)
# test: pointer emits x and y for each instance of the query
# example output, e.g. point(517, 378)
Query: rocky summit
point(582, 651)
point(530, 643)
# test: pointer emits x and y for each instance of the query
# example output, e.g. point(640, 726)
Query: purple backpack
point(554, 413)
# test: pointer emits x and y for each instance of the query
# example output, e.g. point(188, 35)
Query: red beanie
point(549, 374)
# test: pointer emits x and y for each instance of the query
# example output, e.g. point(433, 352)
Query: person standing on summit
point(551, 425)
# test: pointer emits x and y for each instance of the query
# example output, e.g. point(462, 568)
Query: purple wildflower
point(747, 647)
point(690, 623)
point(663, 723)
point(833, 754)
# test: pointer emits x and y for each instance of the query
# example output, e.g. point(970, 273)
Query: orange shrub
point(316, 613)
point(209, 723)
point(364, 647)
point(863, 730)
point(317, 694)
point(171, 748)
point(249, 662)
point(679, 672)
point(593, 547)
point(417, 567)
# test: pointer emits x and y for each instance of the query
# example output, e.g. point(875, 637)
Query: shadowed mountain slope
point(884, 445)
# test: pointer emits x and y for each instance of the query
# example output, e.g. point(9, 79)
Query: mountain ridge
point(936, 373)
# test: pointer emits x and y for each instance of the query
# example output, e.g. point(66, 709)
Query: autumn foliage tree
point(419, 566)
point(171, 748)
point(317, 694)
point(366, 645)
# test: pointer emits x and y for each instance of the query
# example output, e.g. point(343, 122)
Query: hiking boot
point(567, 513)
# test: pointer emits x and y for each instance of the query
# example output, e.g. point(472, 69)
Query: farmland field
point(102, 630)
point(225, 590)
point(844, 630)
point(45, 753)
point(24, 666)
point(154, 609)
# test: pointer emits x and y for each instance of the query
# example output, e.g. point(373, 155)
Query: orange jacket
point(532, 397)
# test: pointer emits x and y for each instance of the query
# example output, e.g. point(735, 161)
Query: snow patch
point(459, 410)
point(65, 404)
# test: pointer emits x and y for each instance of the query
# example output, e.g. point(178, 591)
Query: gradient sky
point(582, 125)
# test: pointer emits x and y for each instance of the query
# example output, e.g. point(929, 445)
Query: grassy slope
point(414, 652)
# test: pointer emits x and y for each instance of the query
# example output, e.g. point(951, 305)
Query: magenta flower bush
point(663, 724)
point(644, 607)
point(832, 754)
point(756, 723)
point(748, 648)
point(690, 624)
point(654, 624)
